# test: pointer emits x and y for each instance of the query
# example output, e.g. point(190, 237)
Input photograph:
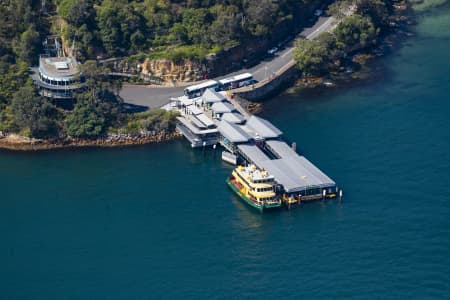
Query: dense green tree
point(311, 56)
point(195, 21)
point(227, 25)
point(77, 12)
point(356, 30)
point(12, 78)
point(27, 48)
point(33, 113)
point(178, 34)
point(261, 15)
point(160, 120)
point(96, 109)
point(376, 10)
point(85, 121)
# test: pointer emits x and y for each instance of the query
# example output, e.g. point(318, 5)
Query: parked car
point(318, 12)
point(272, 51)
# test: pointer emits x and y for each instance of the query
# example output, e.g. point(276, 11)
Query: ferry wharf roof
point(211, 96)
point(280, 149)
point(293, 172)
point(232, 132)
point(234, 117)
point(253, 154)
point(222, 107)
point(263, 128)
point(194, 110)
point(296, 173)
point(194, 129)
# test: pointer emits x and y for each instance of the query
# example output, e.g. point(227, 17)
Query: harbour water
point(158, 221)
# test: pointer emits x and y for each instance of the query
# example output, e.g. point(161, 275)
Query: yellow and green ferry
point(255, 187)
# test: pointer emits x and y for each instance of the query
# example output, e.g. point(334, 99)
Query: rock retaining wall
point(16, 142)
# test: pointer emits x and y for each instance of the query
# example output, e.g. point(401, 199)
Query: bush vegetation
point(358, 30)
point(137, 29)
point(126, 27)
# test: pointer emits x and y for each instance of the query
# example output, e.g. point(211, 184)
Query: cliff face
point(173, 72)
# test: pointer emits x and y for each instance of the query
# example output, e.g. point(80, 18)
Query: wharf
point(215, 118)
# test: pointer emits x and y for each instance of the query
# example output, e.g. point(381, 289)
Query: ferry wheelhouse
point(255, 187)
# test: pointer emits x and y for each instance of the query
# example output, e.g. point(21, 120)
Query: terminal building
point(57, 77)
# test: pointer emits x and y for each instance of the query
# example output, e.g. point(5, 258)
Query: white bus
point(236, 81)
point(197, 90)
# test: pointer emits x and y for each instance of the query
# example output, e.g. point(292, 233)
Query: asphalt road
point(154, 97)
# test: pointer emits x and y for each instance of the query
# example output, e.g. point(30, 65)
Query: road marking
point(325, 24)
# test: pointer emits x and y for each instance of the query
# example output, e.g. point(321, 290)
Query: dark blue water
point(159, 222)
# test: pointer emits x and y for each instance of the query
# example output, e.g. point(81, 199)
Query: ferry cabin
point(254, 186)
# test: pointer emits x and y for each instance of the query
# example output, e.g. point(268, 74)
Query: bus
point(197, 90)
point(236, 81)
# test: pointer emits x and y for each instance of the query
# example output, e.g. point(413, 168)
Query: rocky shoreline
point(359, 66)
point(20, 143)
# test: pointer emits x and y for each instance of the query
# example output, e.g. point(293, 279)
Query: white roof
point(205, 120)
point(197, 122)
point(194, 110)
point(253, 154)
point(211, 96)
point(280, 149)
point(195, 129)
point(222, 107)
point(233, 132)
point(294, 172)
point(234, 117)
point(185, 101)
point(263, 128)
point(61, 65)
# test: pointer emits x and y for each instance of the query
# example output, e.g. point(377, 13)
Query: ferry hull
point(244, 198)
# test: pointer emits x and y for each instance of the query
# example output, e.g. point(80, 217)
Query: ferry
point(255, 187)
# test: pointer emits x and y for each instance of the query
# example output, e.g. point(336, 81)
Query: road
point(154, 97)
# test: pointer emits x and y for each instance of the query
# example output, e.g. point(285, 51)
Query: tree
point(310, 56)
point(109, 25)
point(356, 30)
point(77, 12)
point(34, 113)
point(85, 121)
point(178, 34)
point(227, 26)
point(375, 9)
point(195, 21)
point(96, 109)
point(261, 15)
point(160, 120)
point(28, 47)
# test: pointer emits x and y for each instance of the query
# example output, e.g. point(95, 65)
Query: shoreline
point(360, 66)
point(364, 60)
point(14, 142)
